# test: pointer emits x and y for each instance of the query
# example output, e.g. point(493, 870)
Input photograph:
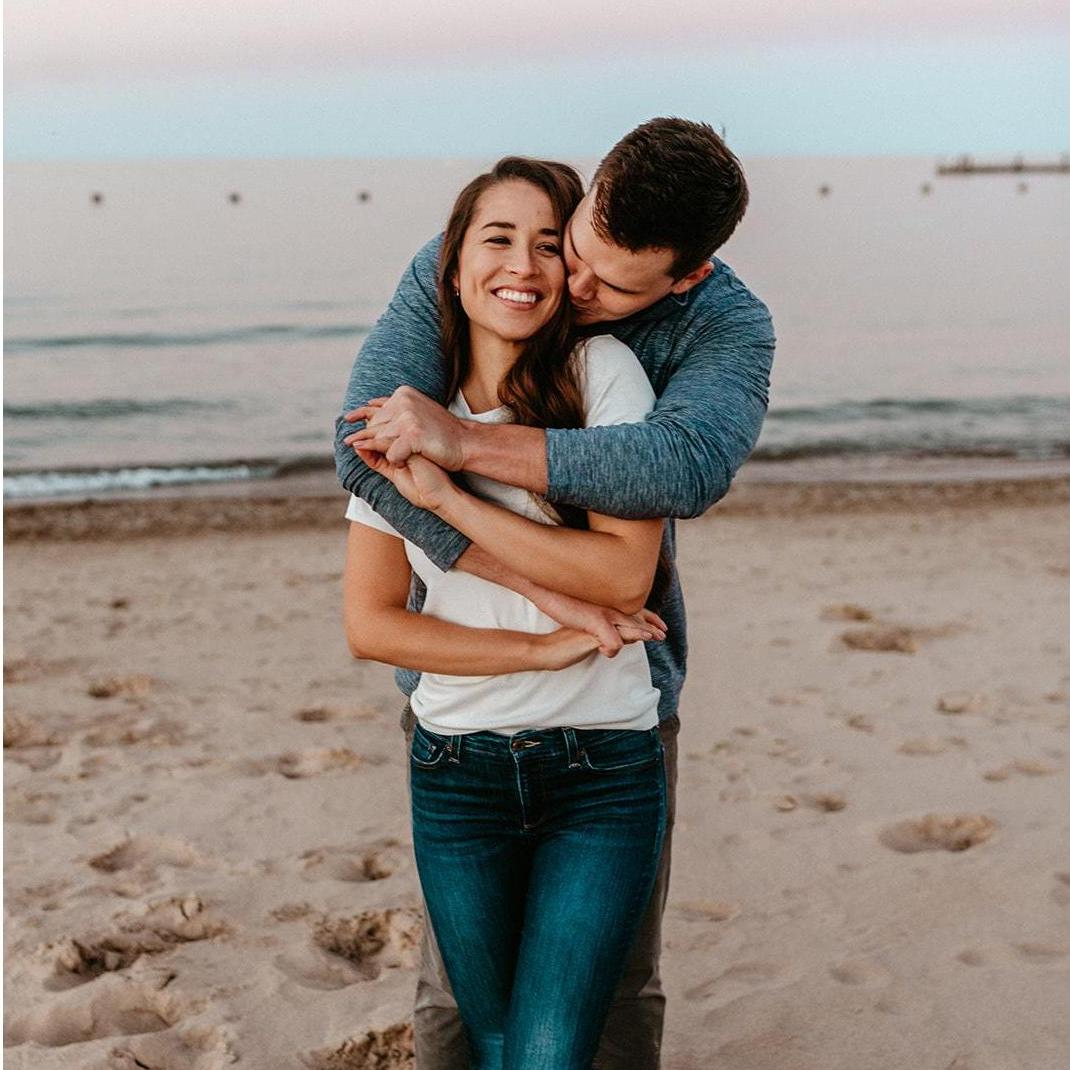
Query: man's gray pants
point(631, 1039)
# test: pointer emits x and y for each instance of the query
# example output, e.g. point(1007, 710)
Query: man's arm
point(403, 348)
point(677, 463)
point(684, 457)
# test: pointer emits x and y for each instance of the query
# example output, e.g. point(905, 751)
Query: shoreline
point(313, 500)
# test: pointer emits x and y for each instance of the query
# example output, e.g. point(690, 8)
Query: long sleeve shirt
point(708, 354)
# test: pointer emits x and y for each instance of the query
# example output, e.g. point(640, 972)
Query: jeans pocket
point(427, 749)
point(613, 751)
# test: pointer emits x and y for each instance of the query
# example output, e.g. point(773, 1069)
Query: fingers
point(650, 617)
point(365, 411)
point(398, 452)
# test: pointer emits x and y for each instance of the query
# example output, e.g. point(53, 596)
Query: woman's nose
point(521, 262)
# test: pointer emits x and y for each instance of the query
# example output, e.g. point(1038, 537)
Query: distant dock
point(967, 165)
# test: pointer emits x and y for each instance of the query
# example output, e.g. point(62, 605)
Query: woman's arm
point(611, 564)
point(379, 628)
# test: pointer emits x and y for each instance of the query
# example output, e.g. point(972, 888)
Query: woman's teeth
point(516, 295)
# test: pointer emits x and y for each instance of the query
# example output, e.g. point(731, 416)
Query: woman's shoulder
point(615, 386)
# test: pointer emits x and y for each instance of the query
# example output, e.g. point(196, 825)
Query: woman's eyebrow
point(550, 231)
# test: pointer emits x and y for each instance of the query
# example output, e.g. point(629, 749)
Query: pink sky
point(70, 40)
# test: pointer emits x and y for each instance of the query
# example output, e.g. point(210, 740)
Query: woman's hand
point(564, 647)
point(611, 628)
point(419, 480)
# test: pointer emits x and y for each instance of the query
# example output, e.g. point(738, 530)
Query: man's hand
point(611, 628)
point(407, 423)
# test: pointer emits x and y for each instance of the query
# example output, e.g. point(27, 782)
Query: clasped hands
point(415, 443)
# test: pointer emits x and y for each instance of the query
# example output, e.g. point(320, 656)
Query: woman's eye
point(551, 248)
point(500, 239)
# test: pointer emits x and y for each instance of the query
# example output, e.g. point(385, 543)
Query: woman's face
point(510, 272)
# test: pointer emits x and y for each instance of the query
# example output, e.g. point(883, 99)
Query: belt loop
point(572, 748)
point(453, 749)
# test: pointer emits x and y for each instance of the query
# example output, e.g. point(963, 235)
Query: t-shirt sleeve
point(616, 388)
point(360, 512)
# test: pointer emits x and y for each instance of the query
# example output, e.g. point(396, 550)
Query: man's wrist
point(472, 442)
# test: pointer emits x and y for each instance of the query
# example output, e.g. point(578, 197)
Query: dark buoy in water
point(926, 189)
point(364, 196)
point(824, 191)
point(96, 198)
point(1023, 187)
point(234, 198)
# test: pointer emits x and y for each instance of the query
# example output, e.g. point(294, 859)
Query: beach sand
point(208, 856)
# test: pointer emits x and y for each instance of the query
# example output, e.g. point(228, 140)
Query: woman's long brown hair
point(543, 388)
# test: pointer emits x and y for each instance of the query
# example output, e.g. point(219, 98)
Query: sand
point(208, 856)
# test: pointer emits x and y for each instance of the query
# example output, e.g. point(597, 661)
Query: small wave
point(76, 483)
point(880, 409)
point(159, 339)
point(111, 408)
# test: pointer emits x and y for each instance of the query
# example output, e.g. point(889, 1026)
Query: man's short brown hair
point(670, 184)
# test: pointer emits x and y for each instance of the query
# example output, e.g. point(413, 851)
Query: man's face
point(607, 281)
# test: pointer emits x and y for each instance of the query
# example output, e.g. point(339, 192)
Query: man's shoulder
point(724, 297)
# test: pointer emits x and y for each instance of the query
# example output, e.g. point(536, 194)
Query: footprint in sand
point(938, 832)
point(163, 926)
point(893, 638)
point(384, 1049)
point(372, 862)
point(1022, 767)
point(859, 972)
point(846, 611)
point(132, 685)
point(203, 1048)
point(124, 729)
point(22, 731)
point(737, 979)
point(349, 950)
point(320, 714)
point(296, 765)
point(145, 853)
point(1041, 954)
point(930, 745)
point(114, 1006)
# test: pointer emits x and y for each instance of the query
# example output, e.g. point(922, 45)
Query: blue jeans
point(537, 853)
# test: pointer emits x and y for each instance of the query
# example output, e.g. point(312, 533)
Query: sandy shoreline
point(207, 847)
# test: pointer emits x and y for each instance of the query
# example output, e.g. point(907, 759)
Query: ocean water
point(198, 320)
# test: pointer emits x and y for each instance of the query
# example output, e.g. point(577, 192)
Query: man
point(638, 251)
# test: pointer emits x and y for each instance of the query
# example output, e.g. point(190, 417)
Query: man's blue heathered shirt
point(708, 354)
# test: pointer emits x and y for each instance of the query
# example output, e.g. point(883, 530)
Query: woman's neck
point(490, 358)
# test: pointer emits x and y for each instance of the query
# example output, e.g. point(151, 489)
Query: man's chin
point(584, 317)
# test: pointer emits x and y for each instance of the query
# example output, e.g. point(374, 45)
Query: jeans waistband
point(569, 742)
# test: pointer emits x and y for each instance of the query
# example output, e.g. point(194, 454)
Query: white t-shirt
point(596, 692)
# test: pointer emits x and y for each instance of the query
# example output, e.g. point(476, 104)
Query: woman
point(537, 781)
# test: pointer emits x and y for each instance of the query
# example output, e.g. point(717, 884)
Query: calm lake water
point(172, 334)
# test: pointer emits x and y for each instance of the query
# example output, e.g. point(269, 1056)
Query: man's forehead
point(616, 266)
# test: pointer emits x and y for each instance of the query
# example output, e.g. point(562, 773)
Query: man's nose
point(581, 285)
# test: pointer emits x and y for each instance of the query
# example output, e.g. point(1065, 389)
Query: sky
point(126, 79)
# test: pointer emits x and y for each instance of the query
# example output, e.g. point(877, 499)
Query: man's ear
point(681, 286)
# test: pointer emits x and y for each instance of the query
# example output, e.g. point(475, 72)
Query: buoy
point(824, 190)
point(96, 198)
point(364, 196)
point(235, 198)
point(1023, 186)
point(926, 189)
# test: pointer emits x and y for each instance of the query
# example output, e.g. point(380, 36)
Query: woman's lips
point(518, 299)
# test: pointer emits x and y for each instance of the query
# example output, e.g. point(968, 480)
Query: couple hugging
point(558, 376)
